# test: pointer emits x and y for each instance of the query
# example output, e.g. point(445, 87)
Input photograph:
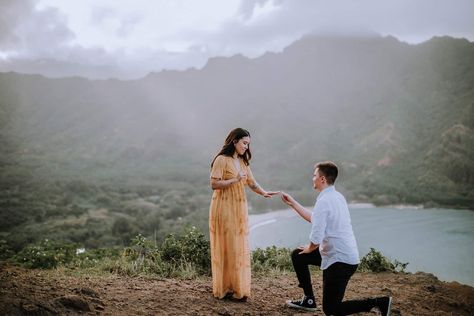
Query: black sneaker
point(307, 303)
point(384, 304)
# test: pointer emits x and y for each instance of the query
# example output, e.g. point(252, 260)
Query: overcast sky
point(176, 34)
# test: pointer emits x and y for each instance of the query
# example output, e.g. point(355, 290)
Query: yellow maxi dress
point(228, 226)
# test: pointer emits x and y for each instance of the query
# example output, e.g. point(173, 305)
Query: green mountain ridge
point(384, 100)
point(397, 118)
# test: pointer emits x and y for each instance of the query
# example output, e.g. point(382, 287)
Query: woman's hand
point(269, 194)
point(287, 199)
point(241, 176)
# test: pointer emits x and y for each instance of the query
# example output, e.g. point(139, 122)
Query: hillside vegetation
point(97, 161)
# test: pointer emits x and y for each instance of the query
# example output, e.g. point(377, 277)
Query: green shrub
point(91, 257)
point(185, 255)
point(190, 247)
point(5, 250)
point(271, 258)
point(124, 229)
point(374, 261)
point(46, 254)
point(142, 257)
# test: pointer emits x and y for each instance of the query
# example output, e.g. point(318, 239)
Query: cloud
point(101, 14)
point(150, 36)
point(9, 18)
point(122, 24)
point(270, 25)
point(248, 7)
point(127, 25)
point(28, 32)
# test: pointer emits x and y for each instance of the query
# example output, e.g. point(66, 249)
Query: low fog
point(110, 115)
point(111, 39)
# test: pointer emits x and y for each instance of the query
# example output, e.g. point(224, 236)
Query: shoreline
point(258, 220)
point(270, 216)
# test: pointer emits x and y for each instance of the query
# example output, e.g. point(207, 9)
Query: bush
point(5, 250)
point(190, 247)
point(142, 257)
point(124, 229)
point(374, 261)
point(46, 254)
point(185, 255)
point(271, 258)
point(91, 257)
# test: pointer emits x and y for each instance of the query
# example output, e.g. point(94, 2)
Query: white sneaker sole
point(389, 310)
point(309, 309)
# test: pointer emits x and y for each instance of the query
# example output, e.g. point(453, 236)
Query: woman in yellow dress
point(228, 216)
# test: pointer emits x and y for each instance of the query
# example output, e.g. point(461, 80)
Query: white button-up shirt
point(332, 229)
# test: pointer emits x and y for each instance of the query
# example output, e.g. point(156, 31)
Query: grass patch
point(185, 255)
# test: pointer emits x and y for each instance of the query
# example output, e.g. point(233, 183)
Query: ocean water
point(438, 241)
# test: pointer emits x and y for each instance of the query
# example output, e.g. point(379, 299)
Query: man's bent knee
point(295, 254)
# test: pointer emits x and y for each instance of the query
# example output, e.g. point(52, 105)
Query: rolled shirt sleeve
point(318, 222)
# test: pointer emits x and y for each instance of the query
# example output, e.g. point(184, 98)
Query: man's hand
point(287, 199)
point(308, 248)
point(290, 201)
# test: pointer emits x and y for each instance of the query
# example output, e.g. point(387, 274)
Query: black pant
point(335, 279)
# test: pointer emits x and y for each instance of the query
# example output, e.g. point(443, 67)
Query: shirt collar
point(330, 188)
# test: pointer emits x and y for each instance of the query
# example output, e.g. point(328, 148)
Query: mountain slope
point(397, 118)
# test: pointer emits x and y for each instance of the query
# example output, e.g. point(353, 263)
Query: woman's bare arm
point(255, 187)
point(218, 184)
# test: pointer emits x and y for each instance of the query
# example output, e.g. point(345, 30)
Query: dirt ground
point(38, 292)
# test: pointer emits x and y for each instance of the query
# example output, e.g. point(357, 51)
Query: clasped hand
point(269, 194)
point(287, 199)
point(242, 176)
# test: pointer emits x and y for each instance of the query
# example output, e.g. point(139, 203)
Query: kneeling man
point(332, 246)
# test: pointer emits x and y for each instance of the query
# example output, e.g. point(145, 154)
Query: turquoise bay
point(438, 241)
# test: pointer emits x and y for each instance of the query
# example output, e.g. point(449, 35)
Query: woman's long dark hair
point(228, 149)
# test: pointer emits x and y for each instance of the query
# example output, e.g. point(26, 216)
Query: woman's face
point(242, 145)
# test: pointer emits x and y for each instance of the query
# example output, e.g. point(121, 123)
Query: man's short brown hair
point(328, 169)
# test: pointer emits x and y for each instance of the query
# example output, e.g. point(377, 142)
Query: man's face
point(318, 180)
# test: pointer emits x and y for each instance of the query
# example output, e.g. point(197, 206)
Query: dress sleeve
point(217, 170)
point(250, 178)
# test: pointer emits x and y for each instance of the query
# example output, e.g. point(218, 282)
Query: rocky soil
point(52, 292)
